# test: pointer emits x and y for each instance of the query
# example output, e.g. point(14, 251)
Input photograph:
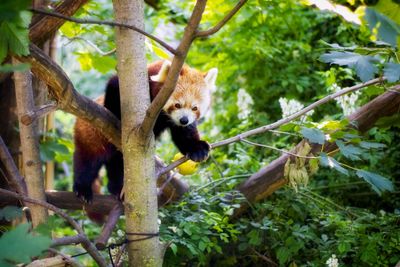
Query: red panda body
point(189, 101)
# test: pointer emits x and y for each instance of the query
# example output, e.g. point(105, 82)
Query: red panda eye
point(177, 105)
point(194, 108)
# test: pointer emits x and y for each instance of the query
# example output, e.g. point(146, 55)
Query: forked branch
point(221, 24)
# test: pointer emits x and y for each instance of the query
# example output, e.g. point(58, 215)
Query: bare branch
point(68, 240)
point(181, 52)
point(89, 247)
point(281, 122)
point(109, 23)
point(38, 113)
point(109, 226)
point(220, 24)
point(16, 180)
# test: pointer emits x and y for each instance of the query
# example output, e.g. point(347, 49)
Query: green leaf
point(19, 246)
point(283, 255)
point(363, 65)
point(9, 213)
point(388, 30)
point(377, 182)
point(174, 248)
point(392, 72)
point(313, 135)
point(390, 8)
point(340, 58)
point(10, 9)
point(327, 161)
point(365, 69)
point(373, 145)
point(349, 151)
point(104, 64)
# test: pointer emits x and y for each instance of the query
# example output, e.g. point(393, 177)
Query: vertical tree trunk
point(139, 170)
point(32, 166)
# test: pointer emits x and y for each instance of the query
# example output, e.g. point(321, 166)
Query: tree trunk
point(139, 170)
point(32, 165)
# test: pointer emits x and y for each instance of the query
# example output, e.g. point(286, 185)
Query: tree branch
point(89, 247)
point(220, 24)
point(109, 23)
point(113, 216)
point(29, 117)
point(268, 179)
point(16, 180)
point(68, 240)
point(172, 78)
point(281, 122)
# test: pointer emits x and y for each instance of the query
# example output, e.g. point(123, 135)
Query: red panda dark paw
point(83, 192)
point(199, 151)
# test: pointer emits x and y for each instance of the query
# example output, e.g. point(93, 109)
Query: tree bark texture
point(140, 189)
point(270, 178)
point(32, 166)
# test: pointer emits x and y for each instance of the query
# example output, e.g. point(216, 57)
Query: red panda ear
point(210, 77)
point(162, 74)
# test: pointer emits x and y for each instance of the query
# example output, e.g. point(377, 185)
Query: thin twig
point(281, 122)
point(89, 247)
point(220, 24)
point(277, 149)
point(263, 257)
point(101, 22)
point(95, 47)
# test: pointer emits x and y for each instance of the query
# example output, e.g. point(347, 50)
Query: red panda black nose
point(184, 120)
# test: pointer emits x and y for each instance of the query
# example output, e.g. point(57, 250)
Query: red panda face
point(192, 95)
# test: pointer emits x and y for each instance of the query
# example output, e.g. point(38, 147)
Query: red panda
point(187, 104)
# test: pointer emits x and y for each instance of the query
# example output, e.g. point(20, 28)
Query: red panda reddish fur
point(180, 115)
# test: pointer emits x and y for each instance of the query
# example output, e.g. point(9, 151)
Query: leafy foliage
point(9, 213)
point(14, 22)
point(269, 50)
point(19, 246)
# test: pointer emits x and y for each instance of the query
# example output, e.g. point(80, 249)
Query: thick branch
point(188, 36)
point(281, 122)
point(270, 178)
point(89, 247)
point(101, 22)
point(220, 24)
